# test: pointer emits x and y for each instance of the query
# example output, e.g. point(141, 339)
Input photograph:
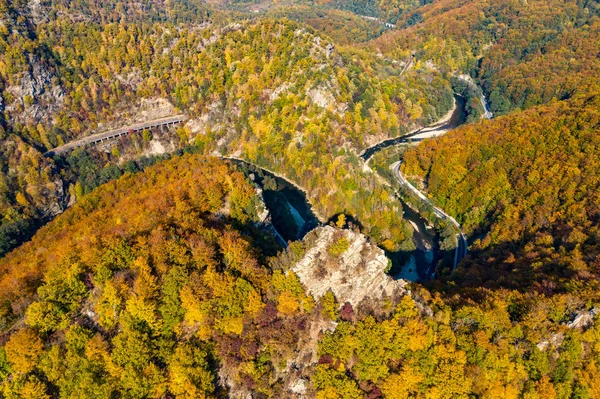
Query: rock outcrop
point(346, 263)
point(584, 319)
point(36, 97)
point(581, 320)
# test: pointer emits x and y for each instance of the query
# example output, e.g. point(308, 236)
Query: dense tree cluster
point(345, 28)
point(528, 185)
point(160, 282)
point(162, 187)
point(146, 288)
point(507, 346)
point(524, 52)
point(105, 11)
point(155, 285)
point(387, 10)
point(272, 90)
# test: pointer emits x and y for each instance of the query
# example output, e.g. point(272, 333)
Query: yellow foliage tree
point(33, 389)
point(23, 350)
point(402, 385)
point(287, 303)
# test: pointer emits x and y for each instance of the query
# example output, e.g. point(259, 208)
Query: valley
point(289, 210)
point(332, 199)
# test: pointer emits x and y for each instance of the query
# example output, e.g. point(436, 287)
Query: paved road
point(111, 134)
point(486, 108)
point(461, 249)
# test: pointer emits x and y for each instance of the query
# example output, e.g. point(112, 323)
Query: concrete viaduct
point(113, 134)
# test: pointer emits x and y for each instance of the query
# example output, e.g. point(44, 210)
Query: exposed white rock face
point(261, 211)
point(321, 97)
point(555, 341)
point(299, 388)
point(581, 320)
point(584, 319)
point(34, 84)
point(274, 94)
point(37, 11)
point(156, 148)
point(142, 111)
point(354, 276)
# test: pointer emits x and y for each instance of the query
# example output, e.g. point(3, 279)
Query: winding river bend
point(420, 264)
point(457, 118)
point(290, 213)
point(292, 217)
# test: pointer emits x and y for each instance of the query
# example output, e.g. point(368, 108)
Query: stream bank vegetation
point(537, 216)
point(443, 231)
point(269, 91)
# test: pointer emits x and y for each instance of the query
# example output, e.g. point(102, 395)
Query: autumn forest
point(363, 199)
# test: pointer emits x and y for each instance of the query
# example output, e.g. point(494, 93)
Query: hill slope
point(528, 183)
point(157, 285)
point(525, 53)
point(272, 92)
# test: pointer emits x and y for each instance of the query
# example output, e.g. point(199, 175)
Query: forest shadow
point(426, 266)
point(504, 266)
point(351, 221)
point(290, 211)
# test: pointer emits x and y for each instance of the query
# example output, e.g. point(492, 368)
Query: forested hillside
point(146, 267)
point(524, 52)
point(528, 184)
point(270, 91)
point(345, 28)
point(389, 11)
point(315, 116)
point(221, 188)
point(37, 97)
point(154, 285)
point(148, 287)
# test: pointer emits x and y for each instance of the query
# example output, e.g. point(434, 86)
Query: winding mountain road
point(487, 114)
point(461, 249)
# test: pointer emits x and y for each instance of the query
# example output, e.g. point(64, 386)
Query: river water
point(420, 264)
point(289, 210)
point(458, 118)
point(292, 217)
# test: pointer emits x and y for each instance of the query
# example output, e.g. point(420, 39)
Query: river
point(457, 118)
point(289, 210)
point(292, 217)
point(420, 264)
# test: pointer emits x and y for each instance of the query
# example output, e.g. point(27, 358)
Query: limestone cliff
point(346, 263)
